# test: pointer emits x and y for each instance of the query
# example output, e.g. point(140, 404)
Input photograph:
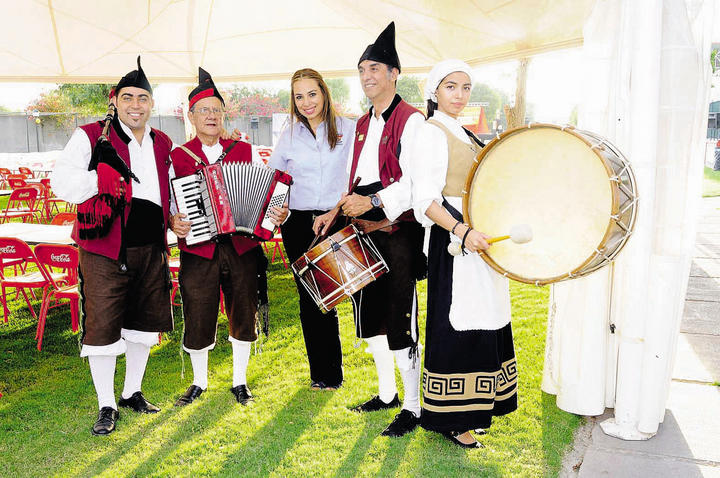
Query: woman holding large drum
point(470, 373)
point(314, 150)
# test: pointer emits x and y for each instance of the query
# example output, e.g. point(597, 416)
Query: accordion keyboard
point(188, 192)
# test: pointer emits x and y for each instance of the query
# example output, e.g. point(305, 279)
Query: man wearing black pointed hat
point(230, 263)
point(386, 310)
point(121, 226)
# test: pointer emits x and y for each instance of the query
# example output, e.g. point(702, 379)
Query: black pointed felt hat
point(135, 78)
point(205, 89)
point(383, 50)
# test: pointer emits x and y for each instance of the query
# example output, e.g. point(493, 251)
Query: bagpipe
point(97, 214)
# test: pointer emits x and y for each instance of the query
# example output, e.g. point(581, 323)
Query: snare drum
point(339, 266)
point(573, 188)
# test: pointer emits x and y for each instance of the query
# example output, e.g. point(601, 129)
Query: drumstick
point(335, 212)
point(519, 234)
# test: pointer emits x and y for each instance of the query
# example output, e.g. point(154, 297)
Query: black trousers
point(321, 333)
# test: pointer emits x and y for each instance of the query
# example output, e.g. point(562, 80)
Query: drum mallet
point(519, 234)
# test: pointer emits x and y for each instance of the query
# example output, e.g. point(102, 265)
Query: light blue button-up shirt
point(319, 173)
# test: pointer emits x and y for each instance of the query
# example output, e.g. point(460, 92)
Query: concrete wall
point(21, 134)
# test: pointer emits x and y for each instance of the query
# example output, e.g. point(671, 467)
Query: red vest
point(185, 165)
point(109, 245)
point(389, 163)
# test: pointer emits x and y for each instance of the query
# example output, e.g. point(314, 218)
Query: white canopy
point(86, 41)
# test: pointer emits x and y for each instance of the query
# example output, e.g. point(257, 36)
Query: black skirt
point(469, 376)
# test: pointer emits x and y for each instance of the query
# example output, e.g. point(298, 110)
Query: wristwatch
point(375, 201)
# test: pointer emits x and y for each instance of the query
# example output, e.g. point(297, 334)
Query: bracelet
point(462, 245)
point(452, 231)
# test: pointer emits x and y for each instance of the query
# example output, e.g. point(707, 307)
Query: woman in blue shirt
point(314, 150)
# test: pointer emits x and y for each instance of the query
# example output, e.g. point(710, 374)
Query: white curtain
point(612, 336)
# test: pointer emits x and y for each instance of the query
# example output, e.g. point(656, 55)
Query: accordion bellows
point(227, 198)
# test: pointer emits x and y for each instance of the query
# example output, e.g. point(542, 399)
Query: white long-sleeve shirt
point(396, 197)
point(72, 182)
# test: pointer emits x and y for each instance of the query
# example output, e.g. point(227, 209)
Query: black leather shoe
point(453, 437)
point(190, 394)
point(138, 403)
point(242, 394)
point(105, 423)
point(323, 386)
point(375, 404)
point(404, 422)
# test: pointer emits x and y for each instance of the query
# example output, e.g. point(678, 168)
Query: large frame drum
point(574, 189)
point(339, 266)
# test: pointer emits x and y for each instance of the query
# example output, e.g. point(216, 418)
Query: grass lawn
point(711, 183)
point(49, 405)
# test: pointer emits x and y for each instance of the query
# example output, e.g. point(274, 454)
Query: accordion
point(227, 198)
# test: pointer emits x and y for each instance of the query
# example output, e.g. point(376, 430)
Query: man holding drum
point(386, 310)
point(229, 263)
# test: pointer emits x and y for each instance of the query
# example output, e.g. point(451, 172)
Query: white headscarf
point(440, 71)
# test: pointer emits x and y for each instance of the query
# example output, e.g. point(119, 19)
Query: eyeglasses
point(206, 111)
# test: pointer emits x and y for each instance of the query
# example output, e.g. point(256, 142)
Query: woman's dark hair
point(431, 107)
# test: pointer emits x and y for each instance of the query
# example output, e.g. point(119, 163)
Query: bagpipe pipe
point(97, 214)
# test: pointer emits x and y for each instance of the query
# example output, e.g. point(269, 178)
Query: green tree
point(339, 91)
point(573, 120)
point(283, 97)
point(88, 99)
point(483, 93)
point(408, 87)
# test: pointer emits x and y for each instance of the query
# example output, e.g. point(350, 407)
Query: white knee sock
point(199, 362)
point(410, 373)
point(136, 358)
point(385, 366)
point(241, 357)
point(102, 369)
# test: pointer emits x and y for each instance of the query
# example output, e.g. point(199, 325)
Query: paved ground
point(688, 441)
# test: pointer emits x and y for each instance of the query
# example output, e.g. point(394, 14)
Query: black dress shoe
point(138, 403)
point(242, 394)
point(453, 437)
point(105, 423)
point(404, 422)
point(323, 386)
point(190, 394)
point(375, 404)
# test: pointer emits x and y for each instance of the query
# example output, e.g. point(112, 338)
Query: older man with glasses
point(230, 263)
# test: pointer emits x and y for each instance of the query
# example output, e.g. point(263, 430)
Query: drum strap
point(453, 212)
point(200, 161)
point(386, 225)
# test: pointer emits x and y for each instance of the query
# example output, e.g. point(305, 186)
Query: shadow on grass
point(355, 458)
point(121, 443)
point(265, 449)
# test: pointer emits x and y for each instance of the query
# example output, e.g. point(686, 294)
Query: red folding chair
point(16, 181)
point(26, 171)
point(21, 205)
point(4, 173)
point(64, 219)
point(264, 154)
point(12, 249)
point(40, 206)
point(174, 266)
point(59, 265)
point(51, 202)
point(277, 243)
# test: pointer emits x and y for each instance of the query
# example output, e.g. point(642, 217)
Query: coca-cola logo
point(8, 250)
point(23, 195)
point(60, 257)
